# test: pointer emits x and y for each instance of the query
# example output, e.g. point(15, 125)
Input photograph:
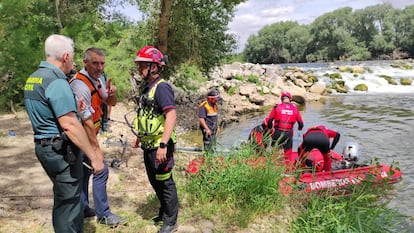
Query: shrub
point(253, 79)
point(189, 77)
point(236, 190)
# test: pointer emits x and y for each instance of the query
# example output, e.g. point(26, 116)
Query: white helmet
point(351, 151)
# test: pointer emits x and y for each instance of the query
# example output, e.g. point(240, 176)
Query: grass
point(234, 194)
point(233, 190)
point(362, 211)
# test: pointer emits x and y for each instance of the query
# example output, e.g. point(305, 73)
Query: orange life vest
point(211, 110)
point(96, 99)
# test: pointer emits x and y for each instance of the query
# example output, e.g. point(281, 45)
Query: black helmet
point(213, 93)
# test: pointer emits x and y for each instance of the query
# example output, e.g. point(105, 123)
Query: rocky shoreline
point(246, 88)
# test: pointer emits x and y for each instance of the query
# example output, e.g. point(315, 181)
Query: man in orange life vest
point(207, 117)
point(319, 137)
point(281, 120)
point(87, 86)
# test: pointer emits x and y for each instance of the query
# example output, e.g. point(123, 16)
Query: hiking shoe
point(88, 212)
point(157, 220)
point(112, 220)
point(168, 228)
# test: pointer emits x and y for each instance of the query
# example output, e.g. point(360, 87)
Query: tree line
point(193, 33)
point(375, 32)
point(183, 29)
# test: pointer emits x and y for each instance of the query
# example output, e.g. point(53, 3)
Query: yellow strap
point(162, 177)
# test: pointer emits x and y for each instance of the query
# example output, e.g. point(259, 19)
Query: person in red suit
point(319, 137)
point(281, 120)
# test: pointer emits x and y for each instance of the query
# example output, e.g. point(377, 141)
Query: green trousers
point(67, 214)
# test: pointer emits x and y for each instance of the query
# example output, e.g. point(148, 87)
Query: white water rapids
point(381, 121)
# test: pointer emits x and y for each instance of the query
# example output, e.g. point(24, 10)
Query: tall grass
point(233, 192)
point(236, 188)
point(363, 209)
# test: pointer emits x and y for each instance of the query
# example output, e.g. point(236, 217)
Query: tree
point(404, 30)
point(164, 22)
point(281, 42)
point(325, 40)
point(197, 30)
point(25, 24)
point(372, 28)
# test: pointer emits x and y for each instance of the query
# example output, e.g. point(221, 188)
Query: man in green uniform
point(58, 133)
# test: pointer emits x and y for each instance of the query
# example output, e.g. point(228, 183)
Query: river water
point(381, 121)
point(382, 125)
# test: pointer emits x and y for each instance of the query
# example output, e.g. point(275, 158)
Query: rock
point(257, 99)
point(241, 96)
point(361, 87)
point(318, 88)
point(406, 81)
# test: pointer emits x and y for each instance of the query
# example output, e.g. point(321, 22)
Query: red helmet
point(285, 94)
point(150, 54)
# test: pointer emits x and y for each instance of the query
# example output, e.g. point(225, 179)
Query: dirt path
point(26, 197)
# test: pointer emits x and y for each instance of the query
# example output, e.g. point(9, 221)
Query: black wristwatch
point(163, 145)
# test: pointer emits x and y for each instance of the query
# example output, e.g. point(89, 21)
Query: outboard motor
point(351, 152)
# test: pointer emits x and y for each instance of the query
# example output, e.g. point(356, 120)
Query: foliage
point(85, 22)
point(235, 188)
point(232, 90)
point(371, 33)
point(273, 43)
point(95, 23)
point(197, 30)
point(253, 79)
point(362, 211)
point(188, 77)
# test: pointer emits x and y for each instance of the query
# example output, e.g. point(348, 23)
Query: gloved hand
point(270, 123)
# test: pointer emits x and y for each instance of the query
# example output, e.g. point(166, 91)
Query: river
point(381, 121)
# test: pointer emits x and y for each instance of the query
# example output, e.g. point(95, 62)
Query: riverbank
point(26, 196)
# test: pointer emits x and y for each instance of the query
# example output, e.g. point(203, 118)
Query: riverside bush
point(236, 191)
point(235, 188)
point(360, 212)
point(364, 208)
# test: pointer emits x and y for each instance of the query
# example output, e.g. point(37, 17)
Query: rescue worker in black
point(154, 124)
point(208, 117)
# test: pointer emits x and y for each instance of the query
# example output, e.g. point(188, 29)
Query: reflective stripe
point(162, 177)
point(97, 124)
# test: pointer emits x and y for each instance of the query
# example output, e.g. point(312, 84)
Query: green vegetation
point(253, 79)
point(360, 212)
point(375, 32)
point(189, 77)
point(237, 190)
point(232, 90)
point(195, 39)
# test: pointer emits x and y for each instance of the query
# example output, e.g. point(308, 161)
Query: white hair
point(57, 45)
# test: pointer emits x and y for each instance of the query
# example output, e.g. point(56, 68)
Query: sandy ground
point(26, 197)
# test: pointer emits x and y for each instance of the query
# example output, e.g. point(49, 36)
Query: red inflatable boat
point(345, 173)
